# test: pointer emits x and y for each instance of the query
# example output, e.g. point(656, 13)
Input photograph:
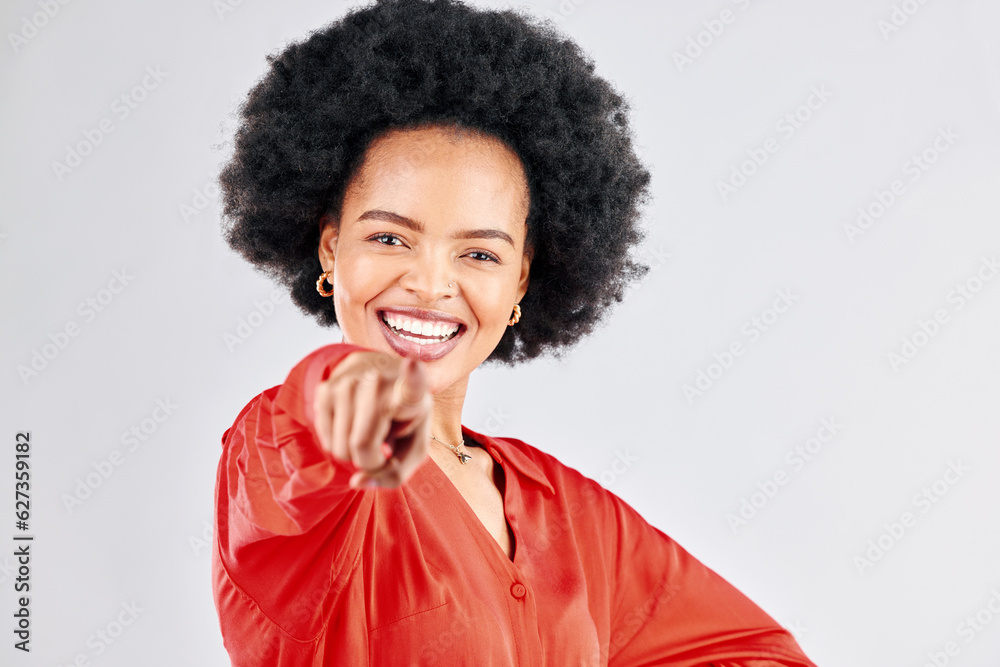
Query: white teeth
point(419, 341)
point(441, 330)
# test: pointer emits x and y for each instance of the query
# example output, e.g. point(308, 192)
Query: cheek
point(358, 279)
point(492, 302)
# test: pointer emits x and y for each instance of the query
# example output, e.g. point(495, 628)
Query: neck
point(446, 420)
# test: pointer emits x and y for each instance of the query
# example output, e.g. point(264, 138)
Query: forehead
point(453, 164)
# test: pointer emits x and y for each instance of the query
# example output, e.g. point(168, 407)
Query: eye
point(485, 256)
point(385, 235)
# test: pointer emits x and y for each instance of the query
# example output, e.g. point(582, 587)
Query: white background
point(718, 262)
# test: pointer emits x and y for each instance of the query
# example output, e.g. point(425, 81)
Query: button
point(518, 590)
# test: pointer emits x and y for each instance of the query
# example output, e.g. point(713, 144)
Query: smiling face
point(428, 258)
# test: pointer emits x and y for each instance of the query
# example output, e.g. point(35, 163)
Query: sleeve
point(669, 608)
point(286, 521)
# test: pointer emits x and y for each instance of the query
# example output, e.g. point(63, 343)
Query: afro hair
point(304, 128)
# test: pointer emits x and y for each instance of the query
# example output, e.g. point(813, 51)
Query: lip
point(421, 314)
point(427, 352)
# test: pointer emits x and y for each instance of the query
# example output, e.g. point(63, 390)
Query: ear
point(522, 285)
point(329, 230)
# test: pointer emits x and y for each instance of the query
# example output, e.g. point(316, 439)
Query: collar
point(512, 454)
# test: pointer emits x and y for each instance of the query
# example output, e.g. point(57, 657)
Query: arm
point(280, 498)
point(669, 607)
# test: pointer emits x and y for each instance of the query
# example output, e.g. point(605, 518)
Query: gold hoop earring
point(319, 284)
point(517, 316)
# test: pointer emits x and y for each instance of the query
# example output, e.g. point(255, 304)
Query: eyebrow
point(389, 216)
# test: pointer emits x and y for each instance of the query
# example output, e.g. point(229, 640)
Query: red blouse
point(307, 571)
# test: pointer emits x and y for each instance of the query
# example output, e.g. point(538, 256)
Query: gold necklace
point(461, 457)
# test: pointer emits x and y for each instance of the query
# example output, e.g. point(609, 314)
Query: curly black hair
point(305, 126)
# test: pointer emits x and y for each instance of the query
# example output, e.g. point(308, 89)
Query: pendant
point(462, 457)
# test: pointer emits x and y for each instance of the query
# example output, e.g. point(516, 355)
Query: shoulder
point(545, 461)
point(579, 510)
point(265, 397)
point(573, 487)
point(564, 480)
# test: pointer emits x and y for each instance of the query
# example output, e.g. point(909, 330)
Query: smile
point(421, 332)
point(414, 337)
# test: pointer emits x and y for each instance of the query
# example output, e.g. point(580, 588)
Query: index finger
point(409, 430)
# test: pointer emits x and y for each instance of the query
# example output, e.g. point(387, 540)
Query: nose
point(429, 275)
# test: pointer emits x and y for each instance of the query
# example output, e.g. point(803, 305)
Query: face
point(428, 254)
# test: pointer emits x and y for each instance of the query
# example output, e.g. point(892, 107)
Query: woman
point(449, 186)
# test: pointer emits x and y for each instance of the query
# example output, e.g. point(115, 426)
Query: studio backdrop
point(802, 390)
